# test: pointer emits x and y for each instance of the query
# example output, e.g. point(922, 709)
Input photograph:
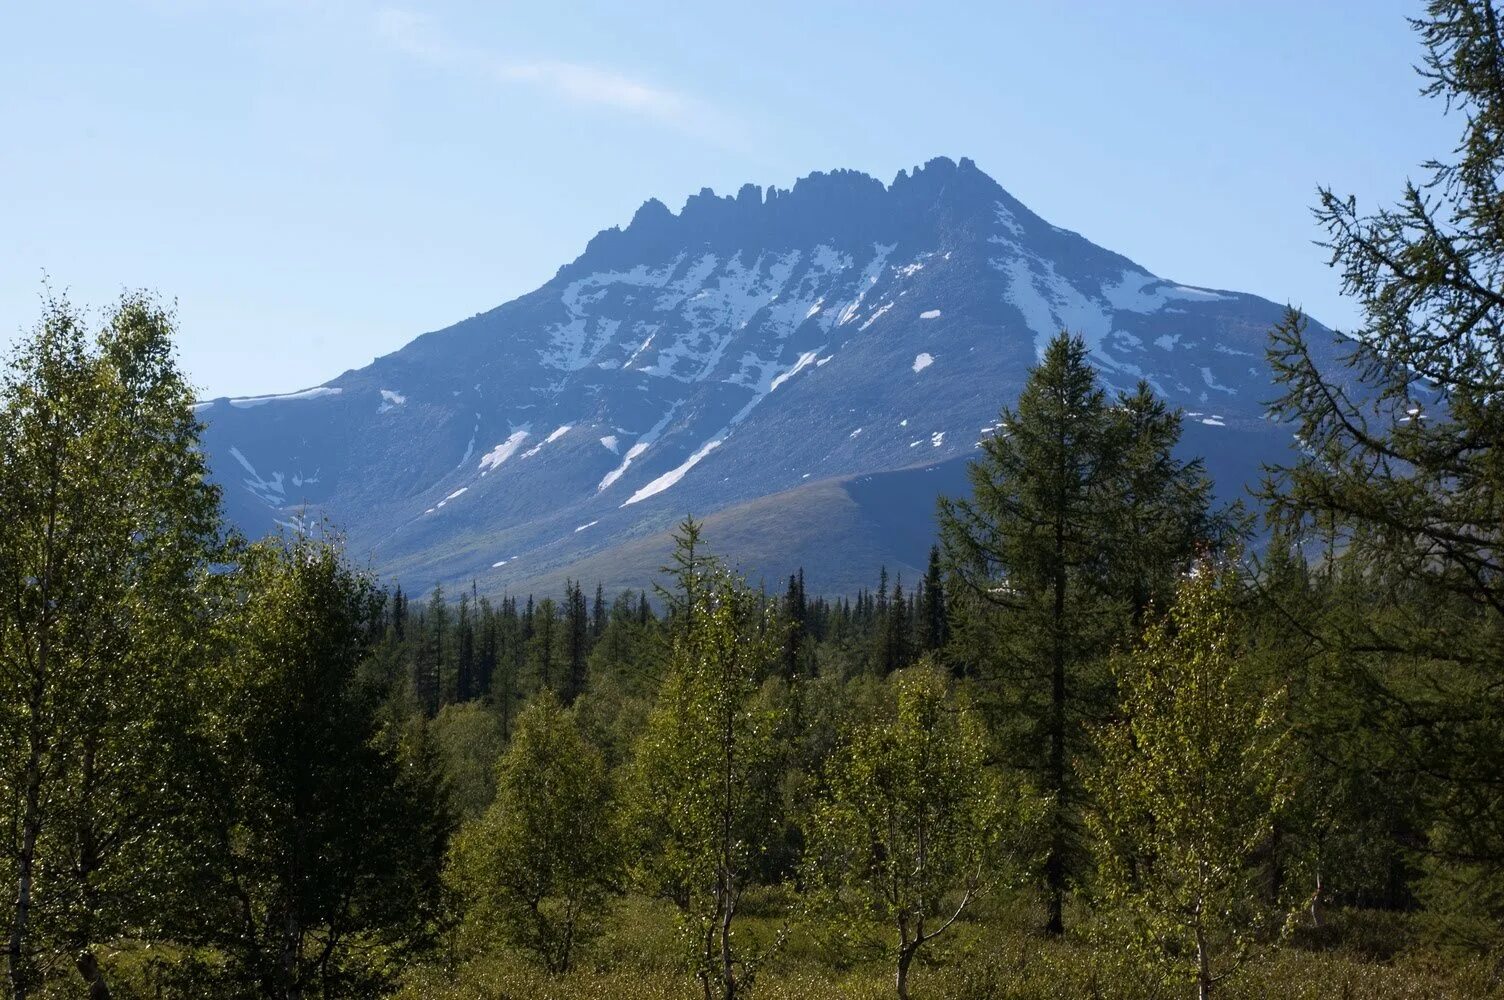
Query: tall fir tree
point(1049, 575)
point(576, 642)
point(1404, 475)
point(543, 645)
point(464, 651)
point(933, 632)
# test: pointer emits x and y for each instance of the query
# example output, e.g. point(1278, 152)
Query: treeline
point(505, 651)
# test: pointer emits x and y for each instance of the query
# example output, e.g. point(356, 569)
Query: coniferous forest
point(1119, 740)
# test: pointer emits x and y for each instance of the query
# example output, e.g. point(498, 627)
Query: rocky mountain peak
point(746, 348)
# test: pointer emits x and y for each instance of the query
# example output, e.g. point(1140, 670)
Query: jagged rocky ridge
point(746, 349)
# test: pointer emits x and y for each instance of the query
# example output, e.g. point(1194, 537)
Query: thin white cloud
point(418, 36)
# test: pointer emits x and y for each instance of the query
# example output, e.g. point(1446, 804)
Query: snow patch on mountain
point(876, 315)
point(636, 450)
point(1049, 302)
point(496, 456)
point(804, 362)
point(673, 476)
point(575, 343)
point(640, 348)
point(1211, 382)
point(866, 281)
point(269, 491)
point(319, 392)
point(1141, 292)
point(557, 433)
point(1007, 220)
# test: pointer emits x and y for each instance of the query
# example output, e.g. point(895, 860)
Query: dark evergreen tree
point(576, 642)
point(464, 652)
point(486, 649)
point(933, 631)
point(794, 613)
point(428, 662)
point(1404, 478)
point(399, 615)
point(1049, 574)
point(543, 645)
point(894, 637)
point(598, 614)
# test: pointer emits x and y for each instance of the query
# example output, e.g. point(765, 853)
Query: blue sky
point(317, 182)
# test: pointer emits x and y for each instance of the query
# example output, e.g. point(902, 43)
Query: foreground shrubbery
point(998, 955)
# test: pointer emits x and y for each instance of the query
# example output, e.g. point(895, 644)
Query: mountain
point(805, 367)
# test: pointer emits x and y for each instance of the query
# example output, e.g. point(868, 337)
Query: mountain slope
point(725, 356)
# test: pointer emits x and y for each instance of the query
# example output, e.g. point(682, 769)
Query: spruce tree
point(794, 613)
point(576, 642)
point(933, 631)
point(428, 662)
point(1049, 576)
point(399, 614)
point(598, 614)
point(543, 645)
point(1404, 478)
point(464, 652)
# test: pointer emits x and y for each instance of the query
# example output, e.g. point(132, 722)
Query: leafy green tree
point(1403, 476)
point(469, 743)
point(707, 770)
point(108, 529)
point(915, 824)
point(1079, 514)
point(323, 841)
point(1191, 784)
point(540, 864)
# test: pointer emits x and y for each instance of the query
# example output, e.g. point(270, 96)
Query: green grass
point(999, 954)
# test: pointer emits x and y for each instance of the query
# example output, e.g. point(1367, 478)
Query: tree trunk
point(728, 969)
point(84, 960)
point(905, 958)
point(1203, 965)
point(26, 863)
point(1055, 863)
point(88, 967)
point(290, 947)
